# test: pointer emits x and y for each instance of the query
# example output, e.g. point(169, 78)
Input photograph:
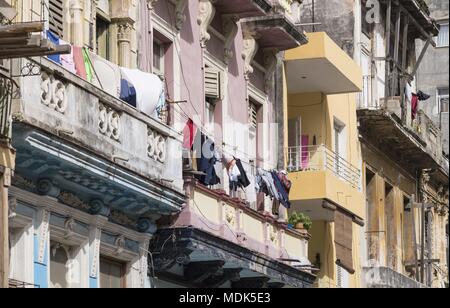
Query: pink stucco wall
point(191, 56)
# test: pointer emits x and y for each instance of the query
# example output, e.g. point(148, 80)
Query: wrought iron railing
point(6, 92)
point(320, 158)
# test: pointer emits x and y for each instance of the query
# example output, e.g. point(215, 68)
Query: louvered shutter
point(212, 83)
point(253, 115)
point(56, 17)
point(343, 229)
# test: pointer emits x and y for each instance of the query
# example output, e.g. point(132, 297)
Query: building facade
point(103, 177)
point(405, 173)
point(432, 76)
point(324, 156)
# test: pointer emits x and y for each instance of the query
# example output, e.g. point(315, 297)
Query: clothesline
point(224, 144)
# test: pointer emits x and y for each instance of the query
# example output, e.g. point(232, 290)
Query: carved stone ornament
point(53, 93)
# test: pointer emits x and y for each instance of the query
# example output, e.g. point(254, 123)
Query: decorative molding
point(146, 225)
point(120, 244)
point(43, 235)
point(156, 148)
point(270, 63)
point(143, 265)
point(72, 200)
point(45, 187)
point(205, 17)
point(180, 17)
point(69, 226)
point(23, 183)
point(151, 4)
point(12, 204)
point(249, 50)
point(109, 122)
point(120, 218)
point(97, 207)
point(96, 234)
point(53, 93)
point(230, 28)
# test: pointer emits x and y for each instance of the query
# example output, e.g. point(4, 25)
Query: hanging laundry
point(127, 92)
point(67, 60)
point(79, 62)
point(149, 89)
point(206, 162)
point(423, 96)
point(409, 92)
point(88, 65)
point(107, 75)
point(283, 176)
point(414, 106)
point(265, 184)
point(233, 175)
point(243, 178)
point(250, 191)
point(190, 130)
point(55, 40)
point(283, 195)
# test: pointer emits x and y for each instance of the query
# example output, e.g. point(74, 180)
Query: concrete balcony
point(257, 246)
point(415, 144)
point(72, 138)
point(243, 8)
point(386, 278)
point(325, 183)
point(321, 66)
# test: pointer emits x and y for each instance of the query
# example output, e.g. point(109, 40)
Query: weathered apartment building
point(433, 74)
point(405, 173)
point(111, 187)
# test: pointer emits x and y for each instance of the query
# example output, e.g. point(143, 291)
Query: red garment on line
point(414, 106)
point(79, 62)
point(189, 134)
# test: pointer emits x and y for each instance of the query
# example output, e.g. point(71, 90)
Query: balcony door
point(294, 143)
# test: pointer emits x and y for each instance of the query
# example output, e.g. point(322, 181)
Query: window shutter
point(253, 115)
point(212, 83)
point(56, 17)
point(343, 228)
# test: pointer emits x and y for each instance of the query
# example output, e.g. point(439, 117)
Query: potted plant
point(300, 221)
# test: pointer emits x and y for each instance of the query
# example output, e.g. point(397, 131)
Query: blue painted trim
point(93, 283)
point(40, 269)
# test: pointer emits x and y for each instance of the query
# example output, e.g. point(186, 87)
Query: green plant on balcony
point(300, 221)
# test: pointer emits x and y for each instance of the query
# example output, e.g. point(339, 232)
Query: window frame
point(162, 51)
point(123, 270)
point(436, 39)
point(439, 97)
point(100, 15)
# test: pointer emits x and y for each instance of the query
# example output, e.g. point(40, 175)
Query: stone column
point(124, 28)
point(76, 23)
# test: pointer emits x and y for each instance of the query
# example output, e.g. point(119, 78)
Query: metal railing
point(6, 91)
point(320, 158)
point(16, 284)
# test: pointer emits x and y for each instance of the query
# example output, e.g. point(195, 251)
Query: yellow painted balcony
point(321, 66)
point(322, 182)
